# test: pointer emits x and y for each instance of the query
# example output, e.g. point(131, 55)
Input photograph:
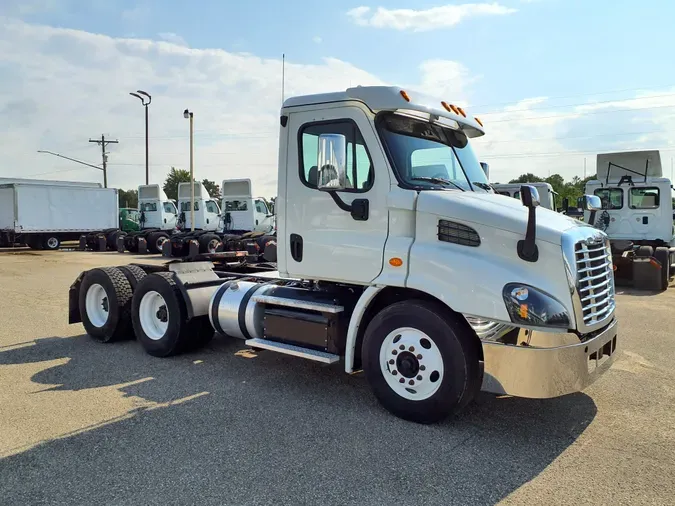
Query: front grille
point(595, 280)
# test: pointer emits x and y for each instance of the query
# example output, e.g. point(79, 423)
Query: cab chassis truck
point(433, 288)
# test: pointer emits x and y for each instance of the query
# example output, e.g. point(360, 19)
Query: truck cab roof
point(394, 98)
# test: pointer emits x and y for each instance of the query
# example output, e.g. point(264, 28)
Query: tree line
point(570, 189)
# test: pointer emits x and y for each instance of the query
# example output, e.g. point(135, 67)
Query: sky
point(554, 81)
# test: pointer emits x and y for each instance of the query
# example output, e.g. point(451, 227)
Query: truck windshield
point(429, 156)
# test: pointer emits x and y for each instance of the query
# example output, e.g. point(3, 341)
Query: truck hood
point(497, 211)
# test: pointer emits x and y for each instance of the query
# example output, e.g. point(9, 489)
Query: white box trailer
point(42, 216)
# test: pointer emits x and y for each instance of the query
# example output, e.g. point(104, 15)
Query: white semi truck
point(420, 277)
point(637, 215)
point(546, 193)
point(42, 215)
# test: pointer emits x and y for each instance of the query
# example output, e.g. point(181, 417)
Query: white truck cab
point(241, 211)
point(206, 209)
point(395, 257)
point(637, 212)
point(546, 193)
point(156, 210)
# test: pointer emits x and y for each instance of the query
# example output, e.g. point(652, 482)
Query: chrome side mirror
point(486, 169)
point(529, 196)
point(592, 203)
point(332, 162)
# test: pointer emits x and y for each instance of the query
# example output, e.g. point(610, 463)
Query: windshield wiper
point(484, 186)
point(438, 180)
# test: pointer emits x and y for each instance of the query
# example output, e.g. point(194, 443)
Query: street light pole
point(190, 116)
point(145, 104)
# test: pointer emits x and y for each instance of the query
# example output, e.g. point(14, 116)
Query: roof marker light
point(405, 96)
point(461, 111)
point(454, 109)
point(478, 121)
point(446, 106)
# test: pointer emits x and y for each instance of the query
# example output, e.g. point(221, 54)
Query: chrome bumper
point(541, 373)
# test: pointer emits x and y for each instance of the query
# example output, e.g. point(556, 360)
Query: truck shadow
point(263, 429)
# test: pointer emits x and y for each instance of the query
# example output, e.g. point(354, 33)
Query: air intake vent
point(449, 231)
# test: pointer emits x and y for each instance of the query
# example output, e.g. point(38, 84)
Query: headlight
point(528, 306)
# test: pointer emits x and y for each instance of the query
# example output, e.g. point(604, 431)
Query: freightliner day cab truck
point(430, 284)
point(546, 193)
point(637, 215)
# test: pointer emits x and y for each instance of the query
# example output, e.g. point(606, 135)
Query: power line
point(624, 90)
point(578, 105)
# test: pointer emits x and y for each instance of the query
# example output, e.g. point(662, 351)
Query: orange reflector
point(405, 96)
point(478, 121)
point(523, 310)
point(395, 262)
point(461, 111)
point(454, 109)
point(446, 106)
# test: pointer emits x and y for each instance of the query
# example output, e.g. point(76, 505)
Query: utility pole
point(283, 77)
point(103, 143)
point(189, 115)
point(584, 167)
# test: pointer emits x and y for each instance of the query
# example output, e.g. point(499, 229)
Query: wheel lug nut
point(392, 361)
point(411, 382)
point(419, 357)
point(422, 368)
point(394, 372)
point(419, 378)
point(402, 347)
point(412, 348)
point(401, 380)
point(394, 352)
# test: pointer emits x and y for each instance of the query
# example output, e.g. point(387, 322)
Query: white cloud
point(61, 87)
point(172, 38)
point(425, 20)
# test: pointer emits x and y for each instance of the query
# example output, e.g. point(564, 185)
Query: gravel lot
point(89, 423)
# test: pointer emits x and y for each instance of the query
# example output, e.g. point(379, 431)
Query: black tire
point(208, 242)
point(663, 256)
point(51, 242)
point(111, 239)
point(459, 352)
point(154, 240)
point(134, 274)
point(180, 335)
point(645, 251)
point(119, 294)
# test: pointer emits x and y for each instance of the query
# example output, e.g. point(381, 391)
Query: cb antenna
point(283, 76)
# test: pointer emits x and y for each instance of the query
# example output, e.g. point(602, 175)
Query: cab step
point(296, 351)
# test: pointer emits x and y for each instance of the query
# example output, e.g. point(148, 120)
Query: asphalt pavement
point(88, 423)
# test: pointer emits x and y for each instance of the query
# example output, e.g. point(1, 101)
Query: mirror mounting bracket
point(358, 208)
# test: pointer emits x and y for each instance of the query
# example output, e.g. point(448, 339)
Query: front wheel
point(422, 364)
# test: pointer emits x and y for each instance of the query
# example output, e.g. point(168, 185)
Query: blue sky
point(582, 76)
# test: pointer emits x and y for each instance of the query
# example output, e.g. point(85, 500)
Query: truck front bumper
point(545, 372)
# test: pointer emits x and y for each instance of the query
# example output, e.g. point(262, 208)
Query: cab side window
point(360, 172)
point(211, 207)
point(169, 208)
point(644, 198)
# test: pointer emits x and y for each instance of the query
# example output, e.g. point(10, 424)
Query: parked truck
point(637, 215)
point(547, 194)
point(425, 280)
point(241, 221)
point(44, 215)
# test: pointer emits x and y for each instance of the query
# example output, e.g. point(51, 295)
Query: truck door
point(170, 216)
point(322, 240)
point(211, 215)
point(261, 221)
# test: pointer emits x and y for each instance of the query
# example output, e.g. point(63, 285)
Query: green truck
point(130, 219)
